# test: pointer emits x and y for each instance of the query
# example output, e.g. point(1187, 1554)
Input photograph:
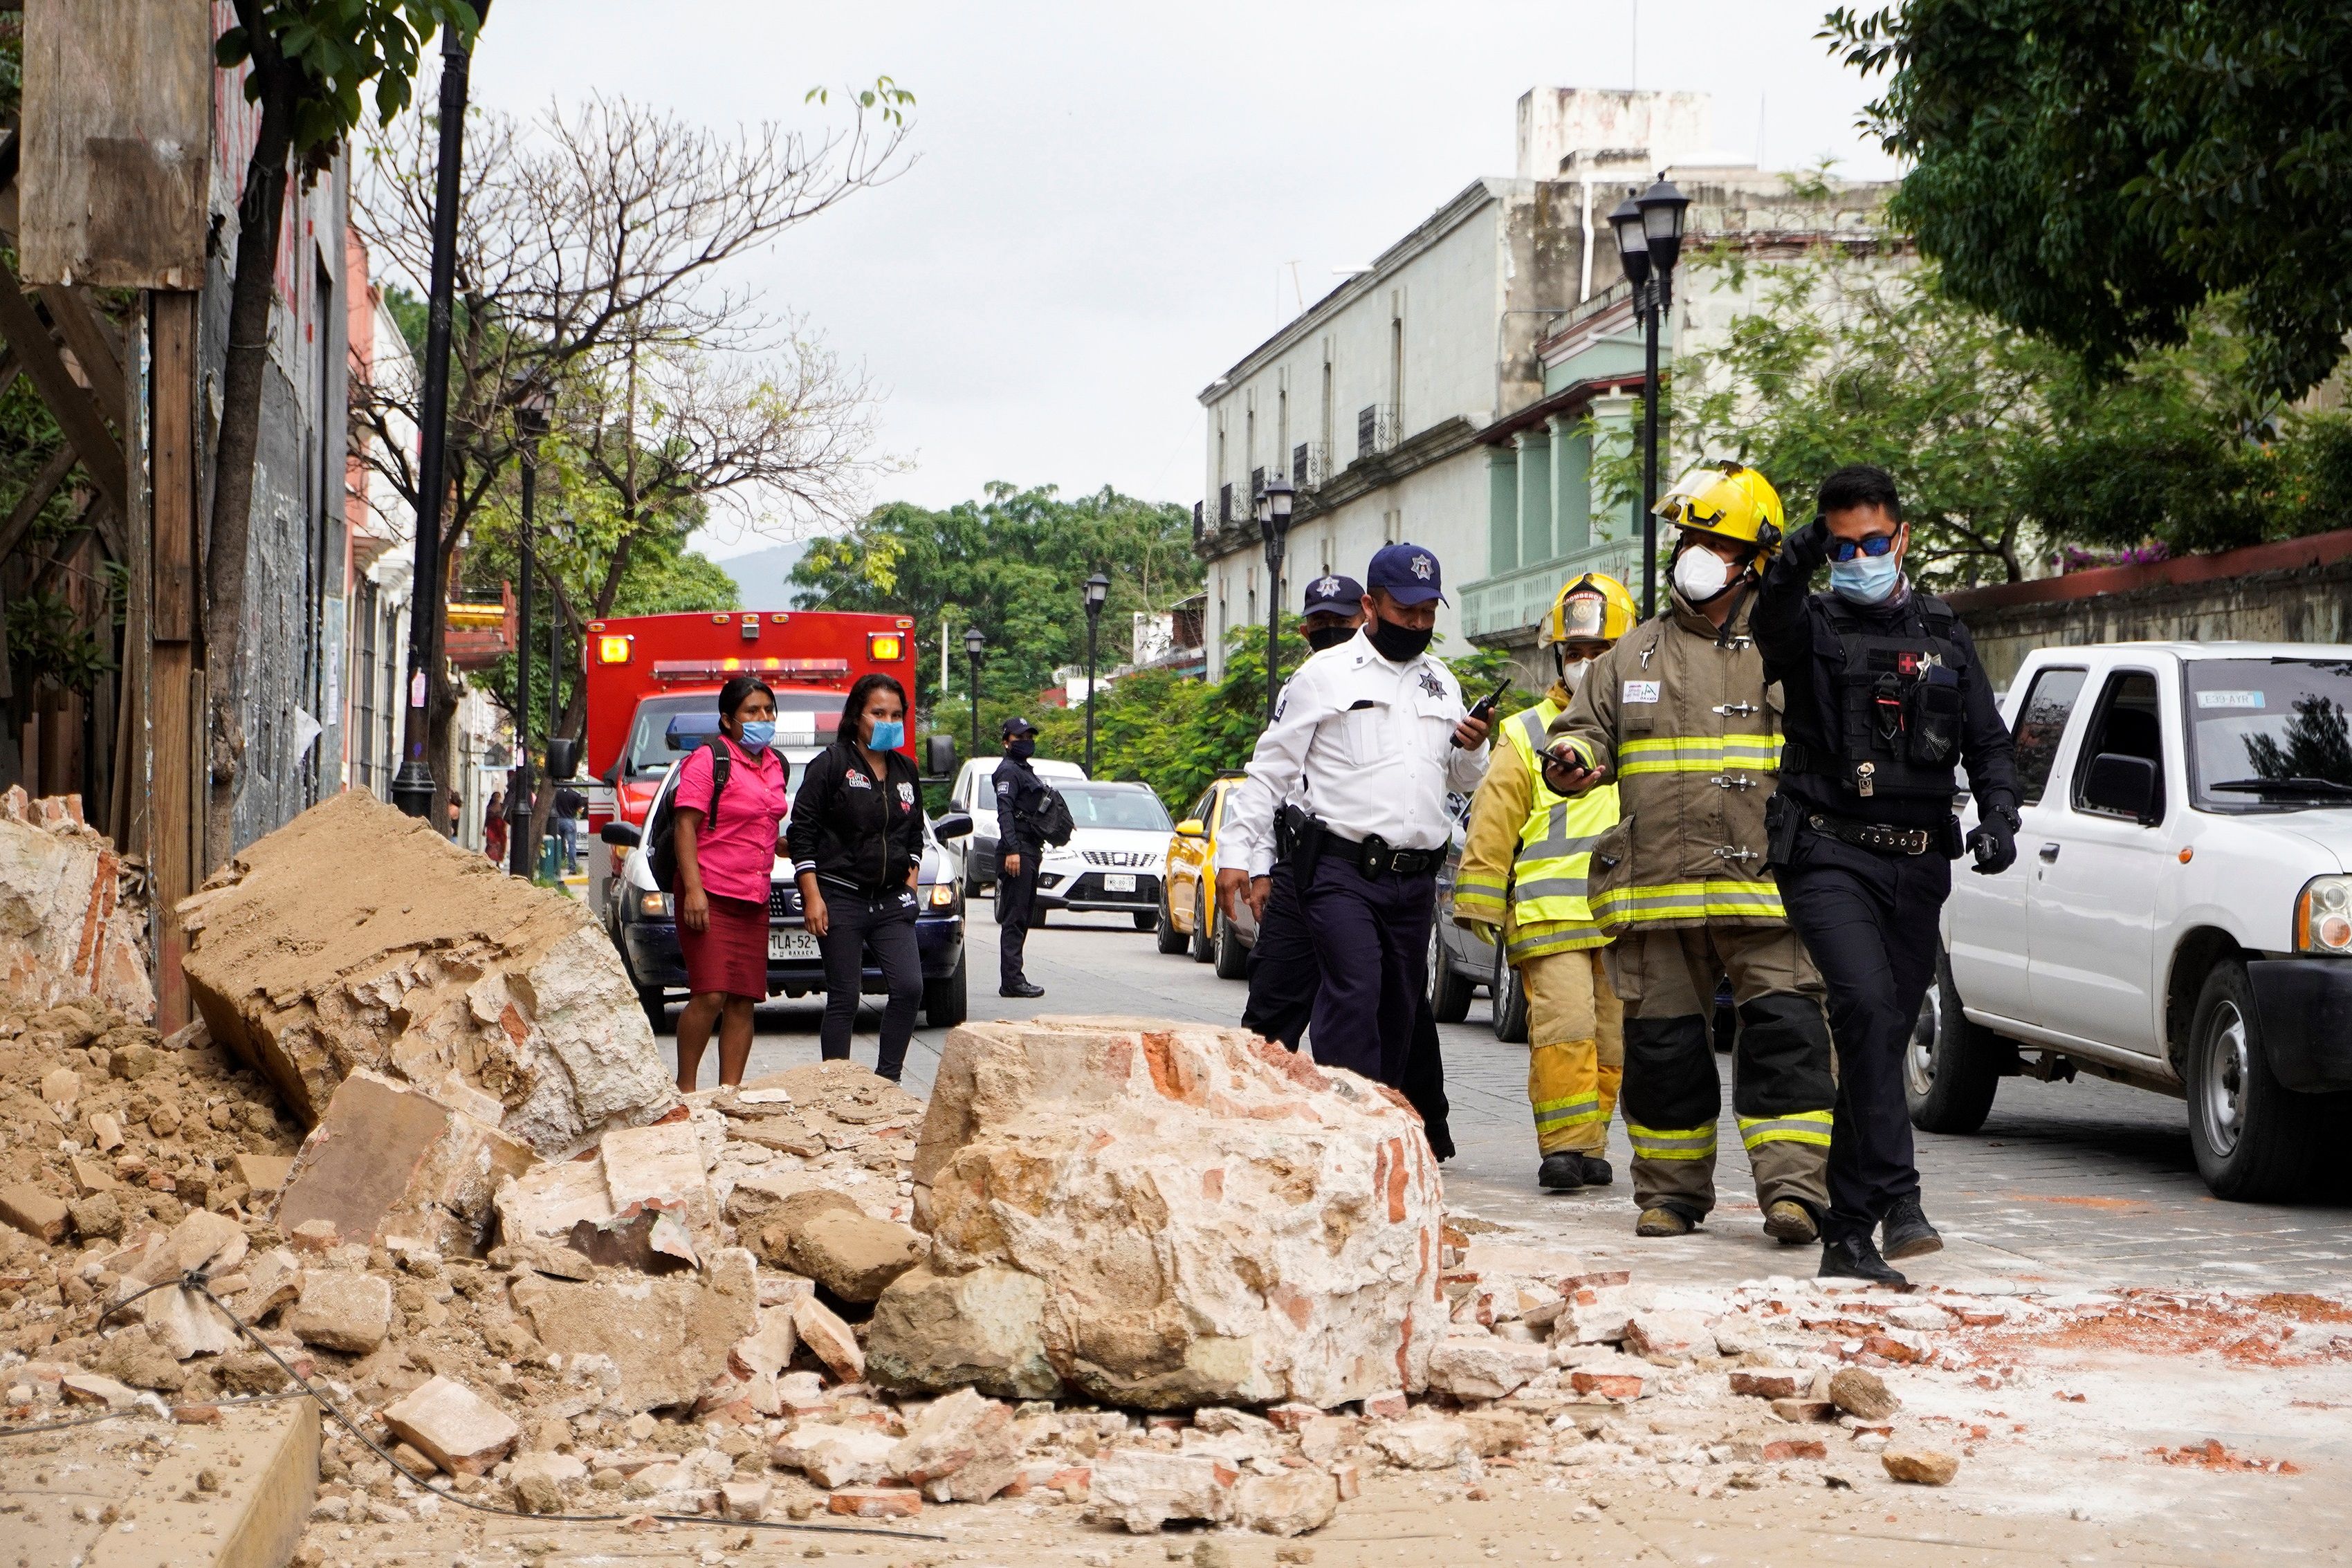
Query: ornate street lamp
point(974, 645)
point(1649, 230)
point(1097, 590)
point(1274, 527)
point(530, 424)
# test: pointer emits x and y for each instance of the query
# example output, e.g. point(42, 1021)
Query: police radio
point(1484, 711)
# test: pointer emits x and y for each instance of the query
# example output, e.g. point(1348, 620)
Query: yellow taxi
point(1189, 916)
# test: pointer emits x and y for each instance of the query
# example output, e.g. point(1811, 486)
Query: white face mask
point(1701, 574)
point(1573, 675)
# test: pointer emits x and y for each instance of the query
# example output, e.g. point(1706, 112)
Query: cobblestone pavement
point(2086, 1182)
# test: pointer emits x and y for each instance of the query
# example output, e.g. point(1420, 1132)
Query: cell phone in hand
point(1486, 709)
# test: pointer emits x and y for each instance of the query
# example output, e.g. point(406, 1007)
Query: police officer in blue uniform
point(1368, 739)
point(1020, 797)
point(1885, 698)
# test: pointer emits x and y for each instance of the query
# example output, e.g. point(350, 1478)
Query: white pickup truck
point(2180, 916)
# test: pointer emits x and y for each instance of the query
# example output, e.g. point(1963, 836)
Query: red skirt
point(732, 955)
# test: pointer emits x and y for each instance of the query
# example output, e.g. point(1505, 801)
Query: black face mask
point(1022, 750)
point(1324, 637)
point(1396, 644)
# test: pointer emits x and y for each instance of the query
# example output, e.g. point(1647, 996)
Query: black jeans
point(1869, 921)
point(886, 927)
point(1371, 945)
point(1015, 896)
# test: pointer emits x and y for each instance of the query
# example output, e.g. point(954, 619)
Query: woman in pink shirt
point(724, 861)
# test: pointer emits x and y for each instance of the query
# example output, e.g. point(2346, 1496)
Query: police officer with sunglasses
point(1885, 698)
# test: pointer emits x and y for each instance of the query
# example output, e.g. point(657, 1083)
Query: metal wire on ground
point(195, 1280)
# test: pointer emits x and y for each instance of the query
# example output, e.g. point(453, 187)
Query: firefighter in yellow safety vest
point(1679, 716)
point(1522, 881)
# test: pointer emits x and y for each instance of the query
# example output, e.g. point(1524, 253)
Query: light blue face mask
point(889, 734)
point(1866, 580)
point(757, 733)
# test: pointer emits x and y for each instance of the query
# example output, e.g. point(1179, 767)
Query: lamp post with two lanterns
point(1649, 229)
point(1273, 526)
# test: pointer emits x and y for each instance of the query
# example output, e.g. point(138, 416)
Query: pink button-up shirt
point(737, 855)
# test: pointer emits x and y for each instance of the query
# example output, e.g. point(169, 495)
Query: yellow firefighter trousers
point(1576, 1032)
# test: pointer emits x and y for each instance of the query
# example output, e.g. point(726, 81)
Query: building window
point(363, 689)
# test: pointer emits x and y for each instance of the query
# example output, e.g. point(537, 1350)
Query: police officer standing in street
point(1368, 739)
point(1676, 713)
point(1020, 798)
point(1284, 976)
point(1884, 694)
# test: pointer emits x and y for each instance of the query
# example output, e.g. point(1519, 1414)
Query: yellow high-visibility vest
point(1555, 855)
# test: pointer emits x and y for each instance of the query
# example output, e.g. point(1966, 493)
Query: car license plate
point(791, 945)
point(1119, 881)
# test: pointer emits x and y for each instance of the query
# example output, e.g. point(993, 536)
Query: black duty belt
point(1879, 836)
point(1374, 855)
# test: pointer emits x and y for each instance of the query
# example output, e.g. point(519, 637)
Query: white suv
point(2180, 916)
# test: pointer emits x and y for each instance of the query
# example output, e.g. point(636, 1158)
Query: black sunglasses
point(1876, 545)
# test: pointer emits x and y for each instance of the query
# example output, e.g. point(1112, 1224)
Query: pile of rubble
point(1145, 1272)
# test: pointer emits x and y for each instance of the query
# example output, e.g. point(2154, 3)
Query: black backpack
point(1052, 819)
point(661, 832)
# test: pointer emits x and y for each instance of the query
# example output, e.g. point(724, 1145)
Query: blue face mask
point(889, 734)
point(757, 733)
point(1866, 580)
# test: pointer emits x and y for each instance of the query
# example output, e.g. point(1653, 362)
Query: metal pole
point(1273, 626)
point(1650, 315)
point(518, 790)
point(1094, 620)
point(413, 787)
point(975, 703)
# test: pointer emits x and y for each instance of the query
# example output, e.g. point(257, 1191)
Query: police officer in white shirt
point(1370, 737)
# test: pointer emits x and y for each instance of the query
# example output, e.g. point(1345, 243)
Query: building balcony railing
point(1515, 601)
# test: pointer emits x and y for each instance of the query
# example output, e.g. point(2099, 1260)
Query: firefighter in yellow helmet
point(1678, 718)
point(1522, 879)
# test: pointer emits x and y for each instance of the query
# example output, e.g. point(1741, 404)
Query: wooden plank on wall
point(175, 478)
point(69, 402)
point(118, 143)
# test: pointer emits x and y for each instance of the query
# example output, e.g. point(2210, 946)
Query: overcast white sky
point(1107, 197)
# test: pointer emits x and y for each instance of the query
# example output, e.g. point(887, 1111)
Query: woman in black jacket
point(856, 842)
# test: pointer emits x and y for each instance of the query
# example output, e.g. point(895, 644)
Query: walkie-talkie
point(1484, 711)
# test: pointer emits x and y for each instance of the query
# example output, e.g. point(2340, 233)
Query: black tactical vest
point(1898, 703)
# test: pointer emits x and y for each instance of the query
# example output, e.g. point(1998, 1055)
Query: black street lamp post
point(530, 424)
point(1097, 590)
point(1649, 229)
point(413, 787)
point(974, 645)
point(1274, 527)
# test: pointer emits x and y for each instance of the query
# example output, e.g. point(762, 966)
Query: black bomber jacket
point(854, 830)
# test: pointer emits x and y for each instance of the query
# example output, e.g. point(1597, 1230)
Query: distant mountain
point(763, 577)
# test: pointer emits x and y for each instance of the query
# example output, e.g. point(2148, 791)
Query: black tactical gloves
point(1994, 840)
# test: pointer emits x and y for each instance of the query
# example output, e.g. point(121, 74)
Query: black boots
point(1906, 1233)
point(1562, 1172)
point(1854, 1258)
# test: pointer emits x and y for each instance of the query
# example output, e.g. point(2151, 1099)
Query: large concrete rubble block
point(1213, 1219)
point(355, 937)
point(668, 1337)
point(451, 1425)
point(388, 1159)
point(73, 917)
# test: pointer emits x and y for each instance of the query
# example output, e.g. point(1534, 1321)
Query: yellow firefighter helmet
point(1730, 501)
point(1595, 608)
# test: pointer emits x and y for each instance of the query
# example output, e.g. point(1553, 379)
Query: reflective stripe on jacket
point(1689, 730)
point(1528, 850)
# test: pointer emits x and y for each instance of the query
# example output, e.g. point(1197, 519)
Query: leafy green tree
point(2003, 445)
point(2094, 171)
point(1013, 564)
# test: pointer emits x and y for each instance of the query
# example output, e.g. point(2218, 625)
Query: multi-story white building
point(1458, 392)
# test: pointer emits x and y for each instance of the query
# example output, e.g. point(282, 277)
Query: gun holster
point(1305, 844)
point(1782, 820)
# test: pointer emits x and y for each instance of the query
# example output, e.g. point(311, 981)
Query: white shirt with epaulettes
point(1366, 746)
